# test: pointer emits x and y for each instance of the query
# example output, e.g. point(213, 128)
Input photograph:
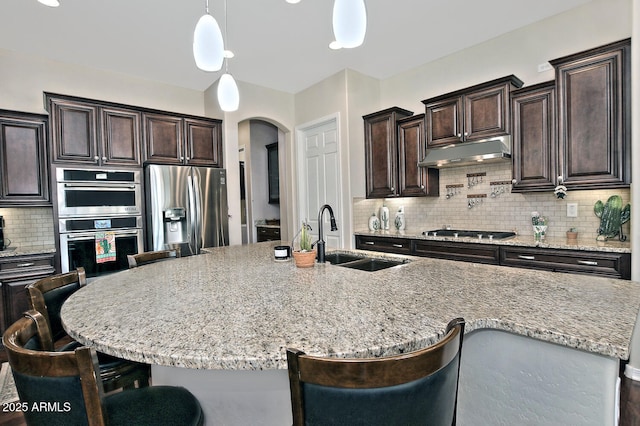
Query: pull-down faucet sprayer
point(320, 242)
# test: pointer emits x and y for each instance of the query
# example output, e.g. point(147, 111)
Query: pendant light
point(228, 94)
point(208, 46)
point(349, 22)
point(50, 3)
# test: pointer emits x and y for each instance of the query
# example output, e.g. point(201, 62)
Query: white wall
point(273, 106)
point(23, 78)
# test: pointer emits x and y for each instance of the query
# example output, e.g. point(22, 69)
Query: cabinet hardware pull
point(25, 265)
point(521, 256)
point(588, 262)
point(398, 245)
point(96, 158)
point(104, 158)
point(369, 243)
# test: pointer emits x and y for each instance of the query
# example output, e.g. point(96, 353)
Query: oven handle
point(104, 186)
point(92, 235)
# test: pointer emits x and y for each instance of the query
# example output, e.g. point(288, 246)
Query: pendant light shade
point(228, 94)
point(208, 47)
point(349, 22)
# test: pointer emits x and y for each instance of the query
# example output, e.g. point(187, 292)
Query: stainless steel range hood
point(467, 153)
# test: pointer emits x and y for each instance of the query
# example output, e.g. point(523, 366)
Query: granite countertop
point(584, 244)
point(27, 250)
point(237, 308)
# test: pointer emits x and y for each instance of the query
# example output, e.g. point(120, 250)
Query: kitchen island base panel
point(505, 379)
point(234, 397)
point(509, 379)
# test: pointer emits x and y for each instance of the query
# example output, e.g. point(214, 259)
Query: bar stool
point(419, 387)
point(140, 259)
point(67, 384)
point(46, 296)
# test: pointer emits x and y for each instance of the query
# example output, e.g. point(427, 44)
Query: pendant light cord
point(226, 39)
point(206, 6)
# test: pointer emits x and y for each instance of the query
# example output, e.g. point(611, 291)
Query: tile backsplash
point(505, 212)
point(28, 226)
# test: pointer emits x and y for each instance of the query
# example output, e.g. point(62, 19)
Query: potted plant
point(572, 234)
point(306, 256)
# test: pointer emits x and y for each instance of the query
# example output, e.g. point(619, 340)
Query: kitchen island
point(540, 347)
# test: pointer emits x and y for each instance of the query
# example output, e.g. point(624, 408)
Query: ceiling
point(277, 45)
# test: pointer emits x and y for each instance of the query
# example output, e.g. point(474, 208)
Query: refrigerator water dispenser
point(175, 226)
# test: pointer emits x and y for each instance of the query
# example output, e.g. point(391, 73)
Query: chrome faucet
point(320, 241)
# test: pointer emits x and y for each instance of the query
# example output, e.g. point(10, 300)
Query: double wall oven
point(93, 203)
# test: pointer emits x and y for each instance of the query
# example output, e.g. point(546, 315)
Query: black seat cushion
point(154, 405)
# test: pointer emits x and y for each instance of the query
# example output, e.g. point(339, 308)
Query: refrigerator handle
point(192, 217)
point(197, 191)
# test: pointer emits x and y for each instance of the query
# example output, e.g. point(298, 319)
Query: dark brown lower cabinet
point(266, 233)
point(466, 252)
point(16, 273)
point(615, 265)
point(385, 244)
point(606, 264)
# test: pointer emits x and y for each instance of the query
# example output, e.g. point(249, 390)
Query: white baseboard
point(632, 372)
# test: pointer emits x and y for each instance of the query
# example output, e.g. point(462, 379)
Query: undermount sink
point(338, 258)
point(361, 263)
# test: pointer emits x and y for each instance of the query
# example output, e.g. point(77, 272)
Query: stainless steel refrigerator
point(186, 207)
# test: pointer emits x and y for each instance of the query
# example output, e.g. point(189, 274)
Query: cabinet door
point(486, 113)
point(203, 142)
point(163, 139)
point(534, 138)
point(444, 121)
point(120, 136)
point(73, 131)
point(414, 181)
point(23, 157)
point(381, 152)
point(594, 117)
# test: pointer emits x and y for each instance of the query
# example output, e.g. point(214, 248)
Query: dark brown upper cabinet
point(203, 142)
point(163, 138)
point(414, 181)
point(172, 139)
point(89, 132)
point(535, 146)
point(381, 152)
point(24, 164)
point(594, 116)
point(474, 113)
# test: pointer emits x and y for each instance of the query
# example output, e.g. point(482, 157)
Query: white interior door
point(319, 178)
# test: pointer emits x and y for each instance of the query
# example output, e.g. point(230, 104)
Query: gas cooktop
point(462, 233)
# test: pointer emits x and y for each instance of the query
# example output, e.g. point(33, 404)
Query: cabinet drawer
point(616, 265)
point(389, 245)
point(26, 266)
point(466, 252)
point(268, 234)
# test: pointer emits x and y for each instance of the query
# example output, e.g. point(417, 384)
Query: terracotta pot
point(304, 259)
point(572, 236)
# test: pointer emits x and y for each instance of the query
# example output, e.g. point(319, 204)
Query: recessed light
point(229, 54)
point(293, 1)
point(334, 45)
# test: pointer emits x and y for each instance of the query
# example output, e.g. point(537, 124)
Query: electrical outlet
point(572, 209)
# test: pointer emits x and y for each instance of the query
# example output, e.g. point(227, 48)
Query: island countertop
point(237, 308)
